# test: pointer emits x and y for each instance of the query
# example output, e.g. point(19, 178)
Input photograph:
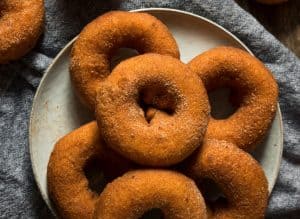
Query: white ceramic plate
point(56, 111)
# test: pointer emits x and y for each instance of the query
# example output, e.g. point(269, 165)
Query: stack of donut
point(154, 138)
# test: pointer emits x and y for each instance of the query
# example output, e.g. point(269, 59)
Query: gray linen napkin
point(19, 196)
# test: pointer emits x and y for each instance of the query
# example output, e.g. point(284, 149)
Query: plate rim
point(152, 9)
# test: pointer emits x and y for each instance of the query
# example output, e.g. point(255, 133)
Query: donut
point(158, 81)
point(136, 192)
point(236, 173)
point(21, 24)
point(254, 91)
point(100, 40)
point(68, 186)
point(271, 2)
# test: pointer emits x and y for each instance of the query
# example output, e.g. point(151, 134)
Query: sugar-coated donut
point(99, 41)
point(137, 192)
point(254, 88)
point(21, 24)
point(236, 173)
point(68, 185)
point(162, 82)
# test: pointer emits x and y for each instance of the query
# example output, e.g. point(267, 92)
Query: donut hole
point(156, 97)
point(211, 191)
point(120, 55)
point(223, 102)
point(154, 213)
point(95, 174)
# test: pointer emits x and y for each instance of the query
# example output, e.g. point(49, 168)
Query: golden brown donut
point(271, 2)
point(178, 126)
point(68, 185)
point(100, 40)
point(237, 174)
point(255, 90)
point(137, 192)
point(21, 24)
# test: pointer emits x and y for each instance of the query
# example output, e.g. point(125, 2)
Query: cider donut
point(21, 24)
point(137, 192)
point(237, 174)
point(68, 185)
point(162, 82)
point(255, 91)
point(100, 40)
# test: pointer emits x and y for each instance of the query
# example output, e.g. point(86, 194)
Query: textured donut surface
point(177, 127)
point(21, 23)
point(237, 174)
point(68, 185)
point(136, 192)
point(254, 89)
point(100, 40)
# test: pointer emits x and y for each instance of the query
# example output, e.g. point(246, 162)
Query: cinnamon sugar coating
point(21, 24)
point(136, 192)
point(68, 185)
point(255, 91)
point(237, 174)
point(100, 40)
point(176, 128)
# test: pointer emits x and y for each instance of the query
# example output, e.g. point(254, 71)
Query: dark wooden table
point(282, 20)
